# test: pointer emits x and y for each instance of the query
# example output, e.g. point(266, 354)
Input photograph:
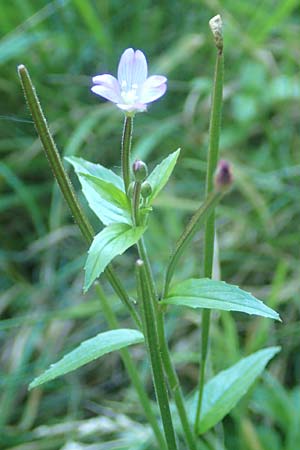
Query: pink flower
point(133, 89)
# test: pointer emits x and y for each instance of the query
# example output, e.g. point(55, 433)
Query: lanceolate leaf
point(108, 191)
point(110, 242)
point(106, 198)
point(88, 351)
point(222, 392)
point(82, 166)
point(212, 294)
point(160, 175)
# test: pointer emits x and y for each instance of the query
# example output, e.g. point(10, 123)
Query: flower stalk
point(209, 235)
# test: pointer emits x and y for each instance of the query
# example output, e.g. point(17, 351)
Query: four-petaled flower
point(133, 89)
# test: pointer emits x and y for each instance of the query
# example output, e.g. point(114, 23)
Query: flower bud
point(140, 170)
point(223, 176)
point(146, 189)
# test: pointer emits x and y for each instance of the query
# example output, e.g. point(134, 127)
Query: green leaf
point(88, 351)
point(108, 191)
point(105, 196)
point(223, 391)
point(212, 294)
point(160, 175)
point(110, 242)
point(82, 166)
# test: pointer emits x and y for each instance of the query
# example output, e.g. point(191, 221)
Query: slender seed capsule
point(216, 27)
point(146, 189)
point(140, 170)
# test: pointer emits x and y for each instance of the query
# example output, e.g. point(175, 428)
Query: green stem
point(188, 234)
point(204, 351)
point(122, 294)
point(85, 228)
point(147, 294)
point(213, 154)
point(158, 317)
point(136, 203)
point(154, 354)
point(165, 354)
point(141, 245)
point(132, 372)
point(125, 150)
point(174, 383)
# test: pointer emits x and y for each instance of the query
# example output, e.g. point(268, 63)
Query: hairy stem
point(174, 383)
point(148, 299)
point(168, 366)
point(154, 354)
point(158, 322)
point(132, 372)
point(136, 203)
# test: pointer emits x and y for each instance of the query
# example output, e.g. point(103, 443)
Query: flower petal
point(140, 68)
point(124, 68)
point(107, 92)
point(153, 88)
point(155, 81)
point(132, 68)
point(106, 80)
point(107, 86)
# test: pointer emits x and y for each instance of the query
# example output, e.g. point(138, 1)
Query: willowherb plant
point(123, 204)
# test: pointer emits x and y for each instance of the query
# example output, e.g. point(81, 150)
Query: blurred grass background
point(43, 312)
